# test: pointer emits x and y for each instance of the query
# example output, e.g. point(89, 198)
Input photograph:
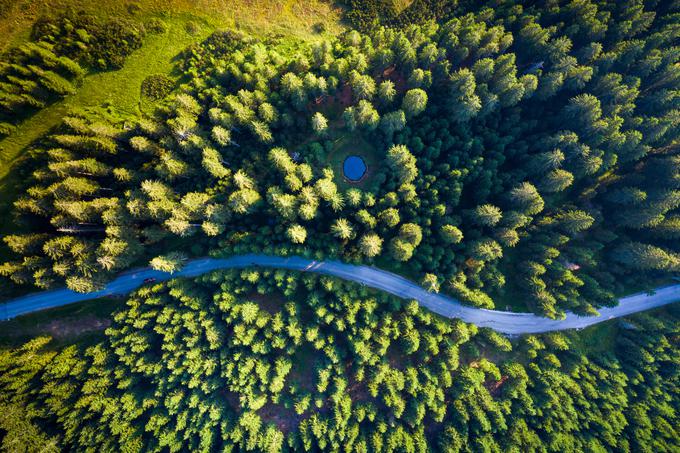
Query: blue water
point(354, 168)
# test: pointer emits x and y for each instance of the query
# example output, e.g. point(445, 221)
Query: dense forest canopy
point(519, 153)
point(272, 360)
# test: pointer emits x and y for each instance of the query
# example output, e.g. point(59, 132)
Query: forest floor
point(271, 303)
point(82, 323)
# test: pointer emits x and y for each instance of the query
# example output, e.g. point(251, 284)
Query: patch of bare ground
point(333, 105)
point(396, 77)
point(397, 358)
point(283, 418)
point(494, 387)
point(345, 97)
point(83, 322)
point(358, 391)
point(303, 372)
point(271, 303)
point(63, 330)
point(233, 399)
point(71, 327)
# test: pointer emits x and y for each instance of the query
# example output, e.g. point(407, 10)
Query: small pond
point(354, 168)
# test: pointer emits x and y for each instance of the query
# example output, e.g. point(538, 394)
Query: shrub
point(156, 26)
point(114, 42)
point(319, 27)
point(366, 14)
point(134, 8)
point(192, 27)
point(157, 86)
point(6, 129)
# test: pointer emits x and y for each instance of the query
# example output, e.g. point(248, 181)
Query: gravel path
point(501, 321)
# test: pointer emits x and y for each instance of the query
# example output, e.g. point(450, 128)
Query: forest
point(520, 155)
point(275, 361)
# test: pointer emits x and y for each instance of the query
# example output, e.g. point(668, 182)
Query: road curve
point(501, 321)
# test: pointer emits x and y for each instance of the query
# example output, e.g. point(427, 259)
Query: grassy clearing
point(601, 338)
point(82, 323)
point(595, 339)
point(120, 88)
point(354, 145)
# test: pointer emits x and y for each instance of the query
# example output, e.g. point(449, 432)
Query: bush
point(157, 86)
point(192, 27)
point(6, 129)
point(32, 77)
point(115, 41)
point(219, 43)
point(156, 26)
point(367, 14)
point(134, 8)
point(319, 27)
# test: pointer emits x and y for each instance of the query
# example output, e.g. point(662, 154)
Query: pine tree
point(172, 262)
point(370, 245)
point(319, 123)
point(402, 163)
point(414, 102)
point(487, 215)
point(297, 234)
point(645, 257)
point(342, 229)
point(526, 198)
point(451, 234)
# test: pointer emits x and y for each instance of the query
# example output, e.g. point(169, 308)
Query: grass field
point(597, 338)
point(120, 88)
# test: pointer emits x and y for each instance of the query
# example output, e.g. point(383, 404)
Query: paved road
point(501, 321)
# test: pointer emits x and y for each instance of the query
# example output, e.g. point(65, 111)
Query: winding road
point(501, 321)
